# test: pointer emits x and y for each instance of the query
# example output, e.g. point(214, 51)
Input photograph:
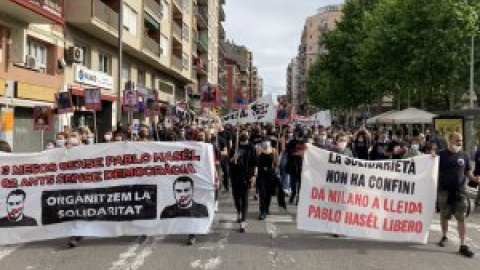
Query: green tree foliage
point(393, 47)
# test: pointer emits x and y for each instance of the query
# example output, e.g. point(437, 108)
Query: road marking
point(136, 254)
point(209, 264)
point(5, 251)
point(279, 219)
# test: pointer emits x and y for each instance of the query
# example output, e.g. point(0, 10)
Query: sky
point(271, 29)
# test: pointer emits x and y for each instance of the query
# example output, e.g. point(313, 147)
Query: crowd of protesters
point(267, 159)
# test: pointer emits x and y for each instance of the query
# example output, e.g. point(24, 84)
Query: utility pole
point(120, 62)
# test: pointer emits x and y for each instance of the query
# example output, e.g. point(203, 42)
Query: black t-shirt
point(452, 168)
point(174, 211)
point(394, 145)
point(361, 148)
point(219, 145)
point(25, 221)
point(295, 159)
point(378, 151)
point(226, 136)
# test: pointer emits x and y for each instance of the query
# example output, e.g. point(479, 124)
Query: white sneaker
point(216, 207)
point(243, 226)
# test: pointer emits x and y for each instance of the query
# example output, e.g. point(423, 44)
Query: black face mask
point(243, 138)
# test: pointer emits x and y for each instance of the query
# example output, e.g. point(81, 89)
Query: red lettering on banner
point(317, 194)
point(361, 220)
point(376, 203)
point(9, 183)
point(350, 198)
point(405, 226)
point(402, 207)
point(326, 214)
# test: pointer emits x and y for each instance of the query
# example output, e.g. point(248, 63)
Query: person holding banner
point(452, 197)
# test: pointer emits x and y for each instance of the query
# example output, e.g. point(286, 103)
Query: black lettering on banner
point(122, 203)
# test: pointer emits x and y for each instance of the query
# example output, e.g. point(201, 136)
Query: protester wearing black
point(266, 178)
point(396, 149)
point(361, 145)
point(242, 169)
point(379, 148)
point(295, 149)
point(452, 198)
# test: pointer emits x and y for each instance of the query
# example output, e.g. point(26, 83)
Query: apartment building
point(312, 45)
point(293, 83)
point(238, 64)
point(157, 45)
point(31, 44)
point(257, 84)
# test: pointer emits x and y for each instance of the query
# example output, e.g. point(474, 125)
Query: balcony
point(151, 45)
point(202, 17)
point(222, 14)
point(203, 41)
point(221, 32)
point(177, 31)
point(105, 14)
point(155, 8)
point(28, 11)
point(177, 63)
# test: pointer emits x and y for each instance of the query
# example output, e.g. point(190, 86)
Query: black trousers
point(225, 173)
point(240, 190)
point(266, 189)
point(295, 182)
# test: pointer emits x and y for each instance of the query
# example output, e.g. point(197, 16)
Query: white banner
point(322, 118)
point(261, 111)
point(392, 200)
point(107, 190)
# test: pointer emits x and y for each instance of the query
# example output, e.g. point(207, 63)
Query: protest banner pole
point(41, 138)
point(95, 125)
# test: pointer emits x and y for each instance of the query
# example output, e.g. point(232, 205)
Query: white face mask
point(90, 140)
point(49, 146)
point(73, 141)
point(107, 137)
point(342, 146)
point(330, 141)
point(60, 143)
point(415, 147)
point(456, 148)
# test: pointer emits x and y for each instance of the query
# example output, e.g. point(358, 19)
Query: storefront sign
point(94, 78)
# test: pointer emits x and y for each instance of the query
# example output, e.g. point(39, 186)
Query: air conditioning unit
point(75, 54)
point(32, 62)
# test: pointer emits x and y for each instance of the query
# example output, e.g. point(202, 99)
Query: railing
point(177, 63)
point(155, 7)
point(151, 45)
point(202, 39)
point(177, 30)
point(202, 13)
point(105, 14)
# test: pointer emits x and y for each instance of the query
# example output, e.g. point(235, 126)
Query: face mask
point(342, 146)
point(243, 137)
point(330, 141)
point(73, 141)
point(322, 138)
point(60, 143)
point(456, 148)
point(49, 146)
point(315, 133)
point(360, 139)
point(107, 137)
point(212, 131)
point(415, 147)
point(266, 145)
point(90, 140)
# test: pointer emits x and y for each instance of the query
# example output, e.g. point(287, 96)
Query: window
point(126, 72)
point(104, 63)
point(152, 82)
point(164, 45)
point(141, 80)
point(39, 51)
point(129, 20)
point(86, 54)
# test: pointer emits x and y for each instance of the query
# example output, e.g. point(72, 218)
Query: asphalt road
point(271, 244)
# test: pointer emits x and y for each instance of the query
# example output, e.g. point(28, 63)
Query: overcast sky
point(271, 29)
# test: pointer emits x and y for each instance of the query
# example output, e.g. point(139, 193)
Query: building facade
point(293, 80)
point(312, 45)
point(48, 47)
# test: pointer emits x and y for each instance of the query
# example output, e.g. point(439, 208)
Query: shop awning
point(79, 91)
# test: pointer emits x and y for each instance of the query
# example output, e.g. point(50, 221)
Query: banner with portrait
point(64, 102)
point(42, 118)
point(130, 101)
point(107, 190)
point(391, 200)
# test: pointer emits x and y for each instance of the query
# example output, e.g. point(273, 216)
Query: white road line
point(5, 251)
point(136, 254)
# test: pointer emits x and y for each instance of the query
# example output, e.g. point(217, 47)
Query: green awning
point(152, 21)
